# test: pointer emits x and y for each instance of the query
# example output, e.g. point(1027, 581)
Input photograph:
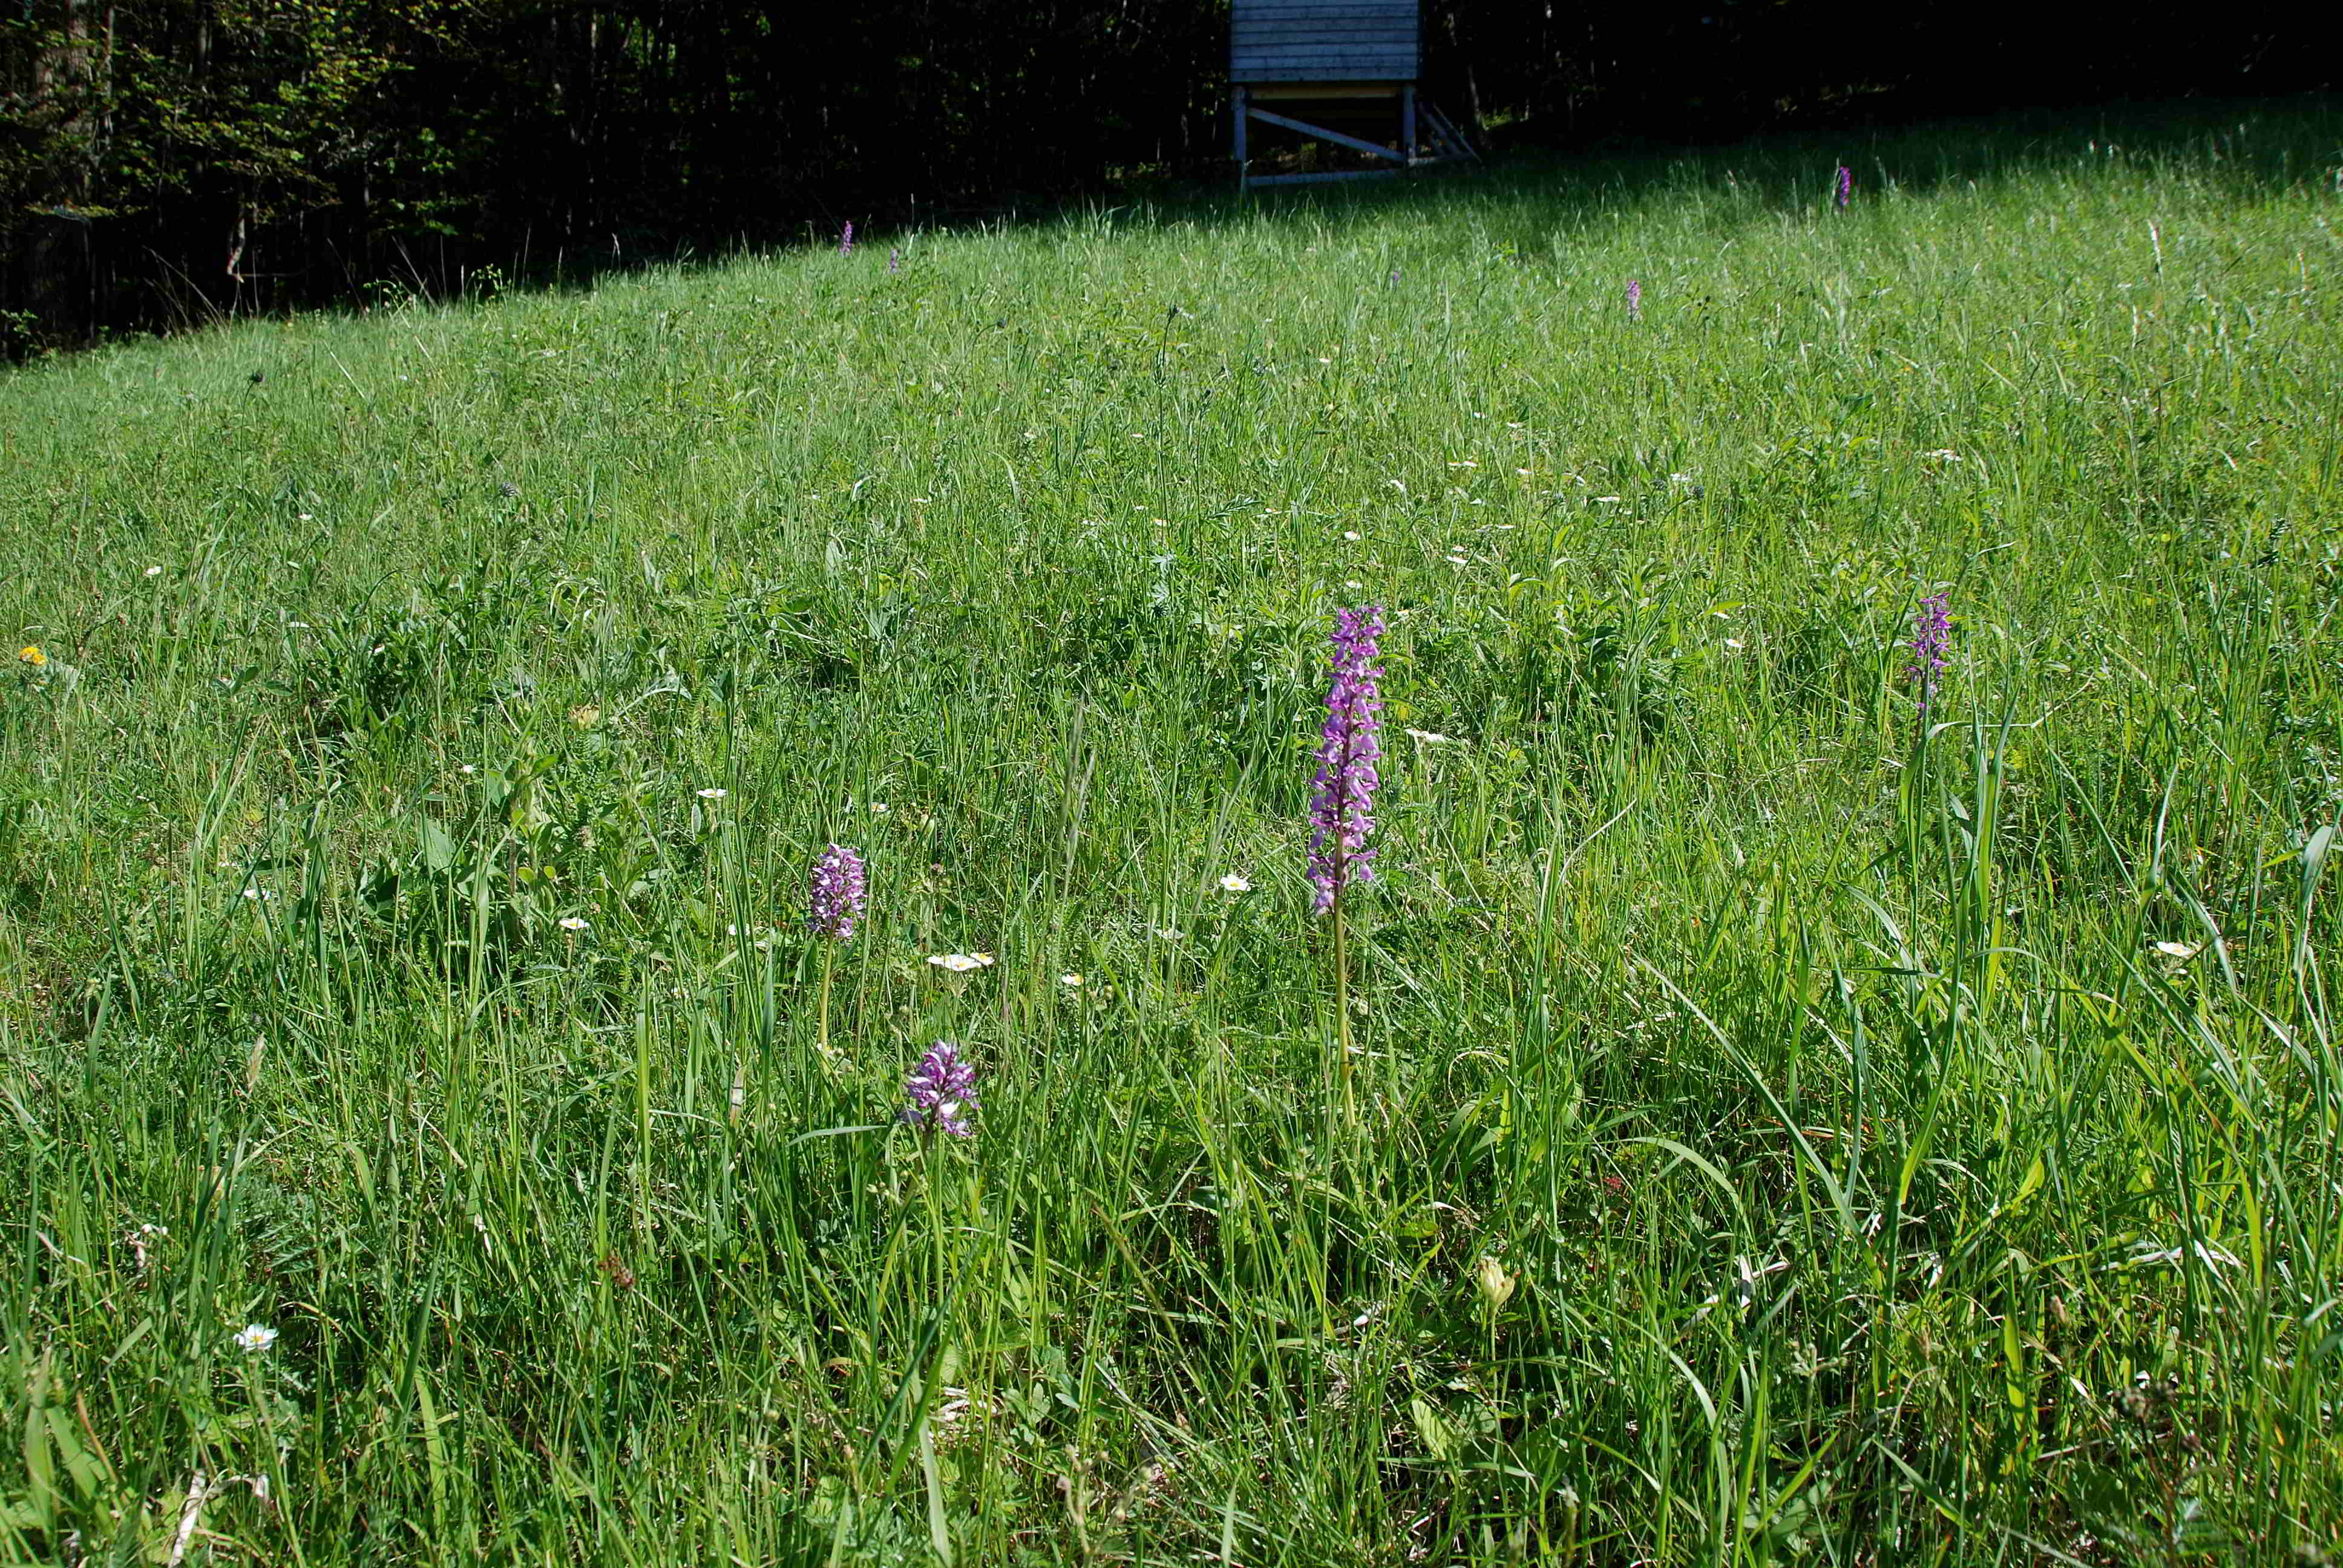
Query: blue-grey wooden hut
point(1313, 56)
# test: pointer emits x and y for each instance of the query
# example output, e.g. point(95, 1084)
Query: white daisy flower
point(1233, 883)
point(1070, 980)
point(573, 923)
point(956, 963)
point(254, 1338)
point(712, 794)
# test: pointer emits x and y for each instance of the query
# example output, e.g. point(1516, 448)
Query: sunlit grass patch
point(1810, 1095)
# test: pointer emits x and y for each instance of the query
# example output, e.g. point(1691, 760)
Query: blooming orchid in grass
point(940, 1092)
point(1342, 793)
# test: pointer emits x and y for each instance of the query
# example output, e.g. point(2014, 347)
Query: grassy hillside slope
point(1791, 1127)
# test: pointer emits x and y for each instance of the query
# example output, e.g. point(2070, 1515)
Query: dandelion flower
point(1233, 883)
point(31, 654)
point(254, 1338)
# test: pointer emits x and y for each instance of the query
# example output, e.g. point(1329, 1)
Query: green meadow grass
point(1789, 1130)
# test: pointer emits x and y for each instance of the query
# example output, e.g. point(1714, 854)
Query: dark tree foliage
point(167, 161)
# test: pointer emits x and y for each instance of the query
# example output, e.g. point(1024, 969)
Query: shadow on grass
point(1516, 200)
point(2244, 148)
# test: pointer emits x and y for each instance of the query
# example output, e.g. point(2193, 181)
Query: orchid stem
point(821, 1008)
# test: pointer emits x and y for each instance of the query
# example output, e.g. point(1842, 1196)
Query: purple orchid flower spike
point(836, 892)
point(1931, 632)
point(1343, 795)
point(940, 1092)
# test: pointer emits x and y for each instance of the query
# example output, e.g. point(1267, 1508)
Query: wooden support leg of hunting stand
point(1240, 107)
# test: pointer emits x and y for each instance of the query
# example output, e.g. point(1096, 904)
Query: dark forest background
point(163, 162)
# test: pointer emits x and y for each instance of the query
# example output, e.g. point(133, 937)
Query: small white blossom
point(254, 1338)
point(1070, 980)
point(573, 922)
point(958, 963)
point(1233, 883)
point(712, 794)
point(154, 571)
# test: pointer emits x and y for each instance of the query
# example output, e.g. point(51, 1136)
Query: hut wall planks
point(1323, 40)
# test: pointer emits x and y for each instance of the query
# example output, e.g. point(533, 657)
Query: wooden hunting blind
point(1352, 60)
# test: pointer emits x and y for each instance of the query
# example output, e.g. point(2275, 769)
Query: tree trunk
point(53, 262)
